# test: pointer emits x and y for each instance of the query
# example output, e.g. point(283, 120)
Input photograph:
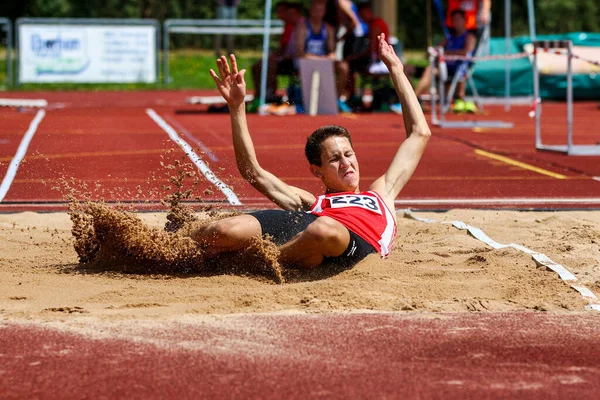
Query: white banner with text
point(87, 54)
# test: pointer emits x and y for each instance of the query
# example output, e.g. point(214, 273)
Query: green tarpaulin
point(489, 75)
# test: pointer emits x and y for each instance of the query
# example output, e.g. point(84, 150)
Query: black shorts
point(359, 64)
point(286, 67)
point(282, 226)
point(355, 45)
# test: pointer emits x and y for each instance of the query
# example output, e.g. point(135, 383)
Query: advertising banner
point(88, 54)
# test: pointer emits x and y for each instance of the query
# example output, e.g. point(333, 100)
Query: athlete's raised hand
point(387, 53)
point(230, 82)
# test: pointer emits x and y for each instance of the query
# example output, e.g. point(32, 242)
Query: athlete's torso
point(316, 43)
point(364, 213)
point(456, 42)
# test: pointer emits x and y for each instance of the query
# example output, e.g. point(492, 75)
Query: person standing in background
point(226, 9)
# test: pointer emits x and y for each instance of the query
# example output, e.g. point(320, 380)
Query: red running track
point(345, 356)
point(109, 139)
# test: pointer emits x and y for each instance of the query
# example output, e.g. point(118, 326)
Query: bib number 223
point(368, 202)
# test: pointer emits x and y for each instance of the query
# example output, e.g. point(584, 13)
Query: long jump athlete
point(343, 225)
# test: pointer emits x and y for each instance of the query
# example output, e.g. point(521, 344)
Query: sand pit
point(432, 268)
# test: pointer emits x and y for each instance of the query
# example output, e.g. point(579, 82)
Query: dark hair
point(363, 5)
point(296, 6)
point(331, 14)
point(312, 150)
point(459, 12)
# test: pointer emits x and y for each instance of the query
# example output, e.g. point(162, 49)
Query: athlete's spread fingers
point(240, 77)
point(225, 66)
point(234, 67)
point(215, 77)
point(221, 69)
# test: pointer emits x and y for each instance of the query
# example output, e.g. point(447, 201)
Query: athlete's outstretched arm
point(232, 87)
point(417, 131)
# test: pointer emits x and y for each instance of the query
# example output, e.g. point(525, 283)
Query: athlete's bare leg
point(229, 234)
point(342, 72)
point(271, 76)
point(325, 237)
point(424, 83)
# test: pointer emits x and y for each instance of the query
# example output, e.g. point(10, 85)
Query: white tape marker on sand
point(189, 151)
point(21, 151)
point(539, 258)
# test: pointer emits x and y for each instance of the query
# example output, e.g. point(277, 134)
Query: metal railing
point(6, 26)
point(213, 27)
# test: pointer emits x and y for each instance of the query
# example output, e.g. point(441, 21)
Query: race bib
point(355, 200)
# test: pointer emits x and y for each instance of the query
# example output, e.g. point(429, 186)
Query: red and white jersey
point(363, 213)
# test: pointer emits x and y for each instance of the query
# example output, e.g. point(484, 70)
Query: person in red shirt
point(343, 225)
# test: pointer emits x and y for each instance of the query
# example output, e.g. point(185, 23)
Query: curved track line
point(189, 151)
point(21, 151)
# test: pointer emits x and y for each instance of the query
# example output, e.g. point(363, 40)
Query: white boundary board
point(327, 90)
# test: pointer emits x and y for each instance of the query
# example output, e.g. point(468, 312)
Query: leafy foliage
point(553, 16)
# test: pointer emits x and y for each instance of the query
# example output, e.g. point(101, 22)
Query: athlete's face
point(459, 22)
point(282, 12)
point(317, 10)
point(339, 167)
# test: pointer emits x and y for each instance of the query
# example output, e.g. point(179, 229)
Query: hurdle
point(437, 57)
point(563, 47)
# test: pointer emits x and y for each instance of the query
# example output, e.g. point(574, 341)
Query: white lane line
point(21, 151)
point(541, 200)
point(189, 151)
point(192, 138)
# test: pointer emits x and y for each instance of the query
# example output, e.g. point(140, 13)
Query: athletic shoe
point(378, 68)
point(459, 106)
point(470, 107)
point(397, 108)
point(343, 107)
point(283, 109)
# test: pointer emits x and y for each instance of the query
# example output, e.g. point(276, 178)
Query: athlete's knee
point(230, 231)
point(342, 67)
point(325, 230)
